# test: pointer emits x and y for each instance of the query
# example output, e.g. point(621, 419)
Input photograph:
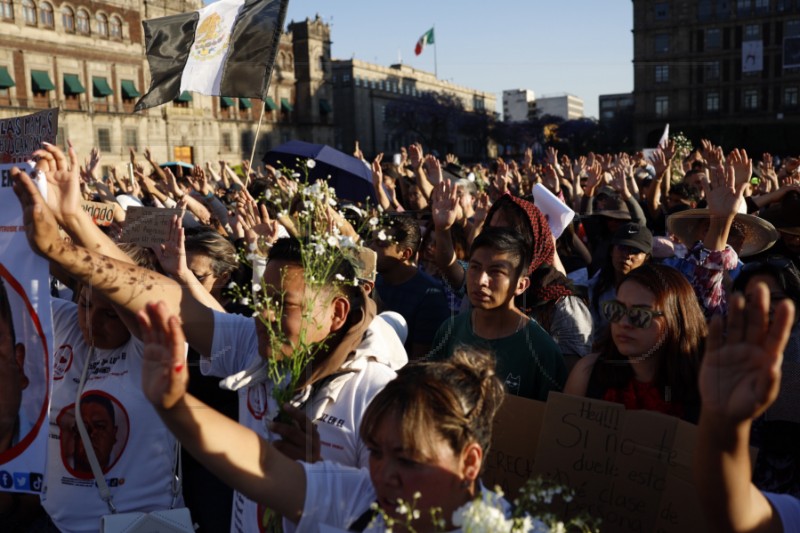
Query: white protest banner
point(25, 319)
point(102, 213)
point(557, 213)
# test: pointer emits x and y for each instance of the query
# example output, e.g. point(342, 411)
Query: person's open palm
point(740, 374)
point(63, 180)
point(164, 372)
point(444, 207)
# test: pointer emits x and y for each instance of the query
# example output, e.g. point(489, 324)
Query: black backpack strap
point(363, 521)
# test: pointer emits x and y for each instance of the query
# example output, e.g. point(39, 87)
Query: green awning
point(129, 90)
point(325, 107)
point(100, 87)
point(270, 103)
point(226, 101)
point(245, 103)
point(185, 96)
point(286, 106)
point(72, 84)
point(5, 79)
point(41, 81)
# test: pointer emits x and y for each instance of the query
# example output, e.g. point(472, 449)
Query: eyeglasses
point(638, 316)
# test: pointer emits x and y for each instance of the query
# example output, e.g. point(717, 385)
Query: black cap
point(634, 235)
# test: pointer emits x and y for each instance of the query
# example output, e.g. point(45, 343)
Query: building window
point(712, 101)
point(104, 139)
point(704, 10)
point(662, 73)
point(662, 10)
point(762, 6)
point(6, 9)
point(227, 142)
point(790, 97)
point(750, 99)
point(102, 25)
point(662, 43)
point(713, 38)
point(115, 28)
point(345, 78)
point(29, 12)
point(68, 19)
point(662, 106)
point(82, 24)
point(752, 32)
point(723, 9)
point(46, 15)
point(711, 70)
point(132, 139)
point(743, 7)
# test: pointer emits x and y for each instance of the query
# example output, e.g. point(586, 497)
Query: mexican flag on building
point(427, 38)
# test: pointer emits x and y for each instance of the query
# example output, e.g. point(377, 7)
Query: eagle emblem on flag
point(210, 40)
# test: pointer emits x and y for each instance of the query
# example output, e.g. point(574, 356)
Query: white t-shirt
point(337, 496)
point(134, 448)
point(336, 408)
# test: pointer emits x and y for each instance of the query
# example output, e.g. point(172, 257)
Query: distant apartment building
point(611, 105)
point(366, 96)
point(565, 106)
point(725, 70)
point(516, 103)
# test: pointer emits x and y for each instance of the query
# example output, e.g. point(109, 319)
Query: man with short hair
point(528, 360)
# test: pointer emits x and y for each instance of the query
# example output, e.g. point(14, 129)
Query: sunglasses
point(638, 317)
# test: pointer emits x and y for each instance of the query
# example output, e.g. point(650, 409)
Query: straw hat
point(691, 225)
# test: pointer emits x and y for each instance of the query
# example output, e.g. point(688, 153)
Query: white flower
point(311, 163)
point(256, 287)
point(347, 241)
point(245, 301)
point(471, 176)
point(332, 202)
point(232, 285)
point(319, 249)
point(268, 194)
point(482, 515)
point(373, 221)
point(295, 174)
point(381, 235)
point(332, 241)
point(339, 277)
point(402, 509)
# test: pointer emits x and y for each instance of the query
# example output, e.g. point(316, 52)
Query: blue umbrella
point(176, 164)
point(351, 178)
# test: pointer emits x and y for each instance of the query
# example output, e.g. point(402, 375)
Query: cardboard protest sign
point(25, 318)
point(102, 214)
point(631, 469)
point(148, 226)
point(509, 462)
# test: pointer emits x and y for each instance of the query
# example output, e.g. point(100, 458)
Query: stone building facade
point(87, 58)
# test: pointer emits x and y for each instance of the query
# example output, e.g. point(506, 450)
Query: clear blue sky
point(583, 47)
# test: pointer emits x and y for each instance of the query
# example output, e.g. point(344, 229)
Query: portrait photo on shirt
point(23, 369)
point(107, 427)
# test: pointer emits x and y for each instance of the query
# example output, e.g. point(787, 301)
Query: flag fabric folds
point(227, 48)
point(427, 38)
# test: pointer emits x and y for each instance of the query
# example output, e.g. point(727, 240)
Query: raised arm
point(252, 466)
point(739, 379)
point(444, 210)
point(124, 284)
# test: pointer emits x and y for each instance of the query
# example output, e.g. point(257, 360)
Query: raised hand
point(451, 159)
point(444, 205)
point(415, 155)
point(742, 166)
point(63, 181)
point(481, 208)
point(740, 374)
point(41, 227)
point(619, 181)
point(594, 175)
point(660, 162)
point(357, 153)
point(501, 177)
point(377, 171)
point(723, 193)
point(165, 376)
point(433, 168)
point(171, 254)
point(94, 160)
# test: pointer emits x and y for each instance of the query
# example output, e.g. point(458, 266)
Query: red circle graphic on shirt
point(107, 427)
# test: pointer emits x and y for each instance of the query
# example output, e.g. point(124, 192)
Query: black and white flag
point(225, 49)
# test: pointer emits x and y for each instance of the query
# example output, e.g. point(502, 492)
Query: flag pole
point(255, 144)
point(435, 61)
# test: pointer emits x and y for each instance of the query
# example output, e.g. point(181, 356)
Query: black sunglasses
point(638, 316)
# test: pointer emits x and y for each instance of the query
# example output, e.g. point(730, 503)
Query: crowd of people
point(671, 290)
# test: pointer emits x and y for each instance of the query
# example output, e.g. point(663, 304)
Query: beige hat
point(689, 226)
